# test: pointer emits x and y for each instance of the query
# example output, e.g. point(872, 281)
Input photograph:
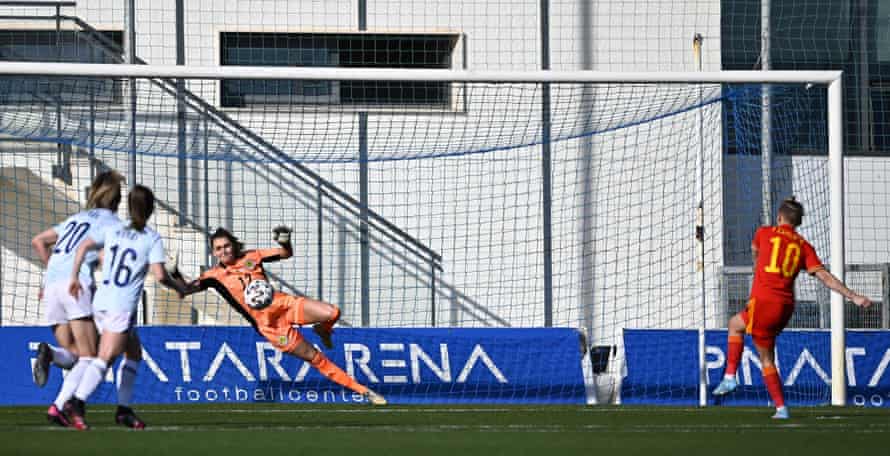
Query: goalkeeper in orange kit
point(779, 255)
point(237, 268)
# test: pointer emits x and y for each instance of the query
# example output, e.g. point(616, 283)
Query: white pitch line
point(548, 429)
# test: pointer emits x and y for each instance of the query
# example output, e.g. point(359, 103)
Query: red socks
point(773, 385)
point(734, 347)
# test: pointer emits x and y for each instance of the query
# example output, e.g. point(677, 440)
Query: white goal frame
point(830, 79)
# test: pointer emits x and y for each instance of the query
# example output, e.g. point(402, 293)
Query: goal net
point(616, 206)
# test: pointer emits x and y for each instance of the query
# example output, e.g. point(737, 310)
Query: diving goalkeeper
point(230, 277)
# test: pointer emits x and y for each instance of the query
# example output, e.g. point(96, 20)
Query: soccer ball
point(258, 294)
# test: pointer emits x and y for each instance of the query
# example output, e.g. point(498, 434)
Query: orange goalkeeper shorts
point(279, 319)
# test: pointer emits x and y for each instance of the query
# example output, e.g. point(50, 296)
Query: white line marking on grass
point(869, 428)
point(490, 428)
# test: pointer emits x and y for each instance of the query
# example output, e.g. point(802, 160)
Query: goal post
point(472, 142)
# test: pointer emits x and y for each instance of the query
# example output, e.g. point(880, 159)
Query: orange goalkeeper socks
point(773, 385)
point(331, 371)
point(734, 347)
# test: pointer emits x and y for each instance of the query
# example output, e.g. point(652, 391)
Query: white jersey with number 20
point(70, 234)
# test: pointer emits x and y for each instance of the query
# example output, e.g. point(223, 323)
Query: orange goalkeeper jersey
point(230, 281)
point(782, 253)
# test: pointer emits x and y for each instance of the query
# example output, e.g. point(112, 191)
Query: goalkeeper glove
point(281, 234)
point(172, 264)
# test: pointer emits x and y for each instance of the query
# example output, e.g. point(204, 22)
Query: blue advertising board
point(233, 364)
point(662, 368)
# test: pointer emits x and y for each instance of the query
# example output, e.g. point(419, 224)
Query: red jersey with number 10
point(782, 253)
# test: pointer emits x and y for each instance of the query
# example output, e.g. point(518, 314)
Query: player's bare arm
point(176, 279)
point(191, 287)
point(833, 283)
point(42, 242)
point(87, 245)
point(163, 277)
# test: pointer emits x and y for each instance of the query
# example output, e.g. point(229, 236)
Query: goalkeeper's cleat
point(374, 398)
point(325, 334)
point(782, 413)
point(56, 416)
point(40, 371)
point(726, 386)
point(126, 417)
point(76, 409)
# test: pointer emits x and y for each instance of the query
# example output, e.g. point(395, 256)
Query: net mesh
point(458, 166)
point(464, 182)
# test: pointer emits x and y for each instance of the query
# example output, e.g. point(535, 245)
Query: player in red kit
point(780, 253)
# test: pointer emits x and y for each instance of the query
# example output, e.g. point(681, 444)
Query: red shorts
point(765, 318)
point(278, 321)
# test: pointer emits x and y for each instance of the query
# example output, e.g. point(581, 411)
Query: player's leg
point(771, 378)
point(318, 360)
point(57, 316)
point(54, 413)
point(83, 331)
point(65, 355)
point(324, 315)
point(303, 310)
point(735, 344)
point(772, 315)
point(115, 331)
point(126, 379)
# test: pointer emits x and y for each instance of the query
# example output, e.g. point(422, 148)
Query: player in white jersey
point(71, 319)
point(130, 251)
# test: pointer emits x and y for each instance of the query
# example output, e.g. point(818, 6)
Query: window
point(840, 35)
point(355, 50)
point(60, 46)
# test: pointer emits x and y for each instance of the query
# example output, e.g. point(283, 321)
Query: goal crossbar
point(407, 74)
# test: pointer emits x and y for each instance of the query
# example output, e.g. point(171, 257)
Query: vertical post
point(766, 151)
point(836, 214)
point(454, 306)
point(62, 155)
point(93, 84)
point(363, 215)
point(363, 190)
point(182, 181)
point(131, 44)
point(320, 243)
point(588, 206)
point(229, 209)
point(207, 185)
point(433, 297)
point(697, 42)
point(866, 139)
point(885, 296)
point(546, 166)
point(144, 307)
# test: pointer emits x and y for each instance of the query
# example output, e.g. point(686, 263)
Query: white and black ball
point(258, 294)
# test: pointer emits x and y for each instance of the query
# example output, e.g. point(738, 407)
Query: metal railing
point(326, 192)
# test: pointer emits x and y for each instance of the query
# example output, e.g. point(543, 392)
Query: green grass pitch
point(267, 430)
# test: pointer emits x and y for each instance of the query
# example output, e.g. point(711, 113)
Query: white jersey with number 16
point(127, 256)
